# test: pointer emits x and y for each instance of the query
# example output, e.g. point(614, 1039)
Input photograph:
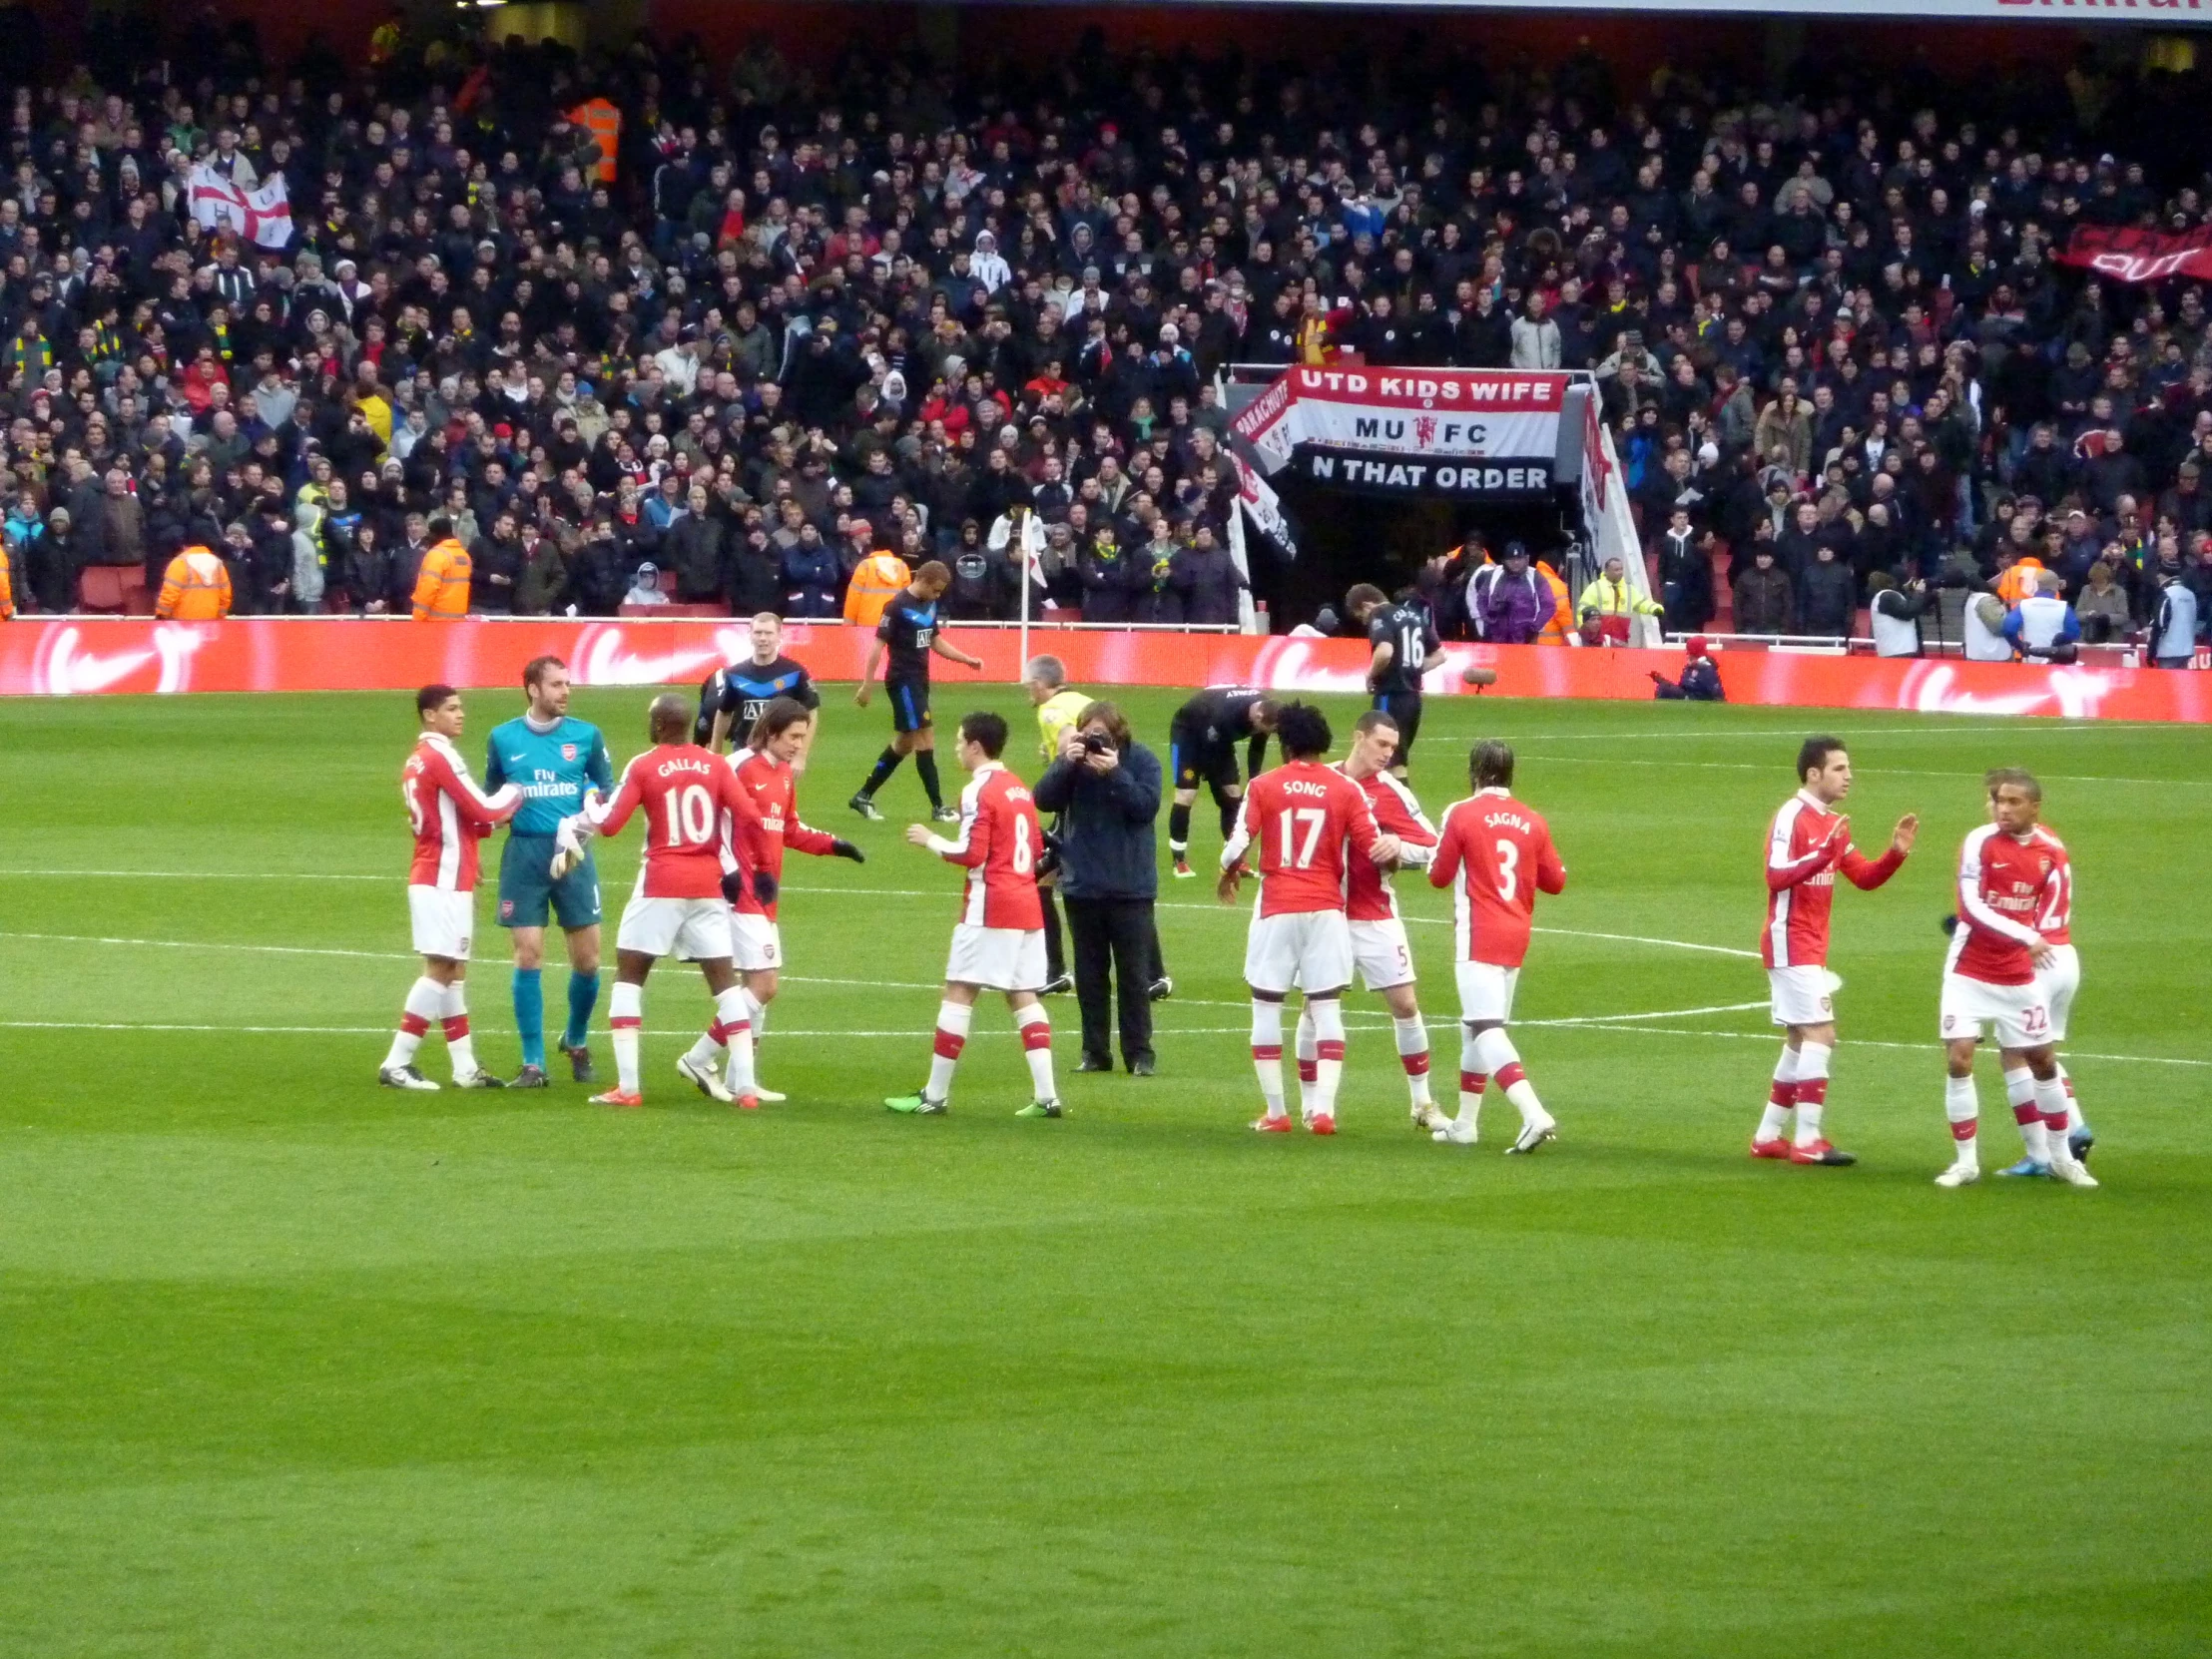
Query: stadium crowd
point(575, 332)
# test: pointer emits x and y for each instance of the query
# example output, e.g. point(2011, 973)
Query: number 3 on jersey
point(1508, 869)
point(1297, 852)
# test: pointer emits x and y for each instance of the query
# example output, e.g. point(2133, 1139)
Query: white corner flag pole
point(1020, 540)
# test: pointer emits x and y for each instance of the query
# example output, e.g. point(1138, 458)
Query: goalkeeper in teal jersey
point(553, 760)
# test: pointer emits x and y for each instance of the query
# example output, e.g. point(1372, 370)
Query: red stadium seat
point(707, 612)
point(99, 589)
point(137, 598)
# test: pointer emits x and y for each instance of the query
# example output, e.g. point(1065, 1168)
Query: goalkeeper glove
point(841, 848)
point(568, 849)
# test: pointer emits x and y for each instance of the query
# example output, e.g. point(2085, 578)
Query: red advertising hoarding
point(80, 656)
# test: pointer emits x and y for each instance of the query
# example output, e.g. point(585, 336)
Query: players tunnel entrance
point(1348, 536)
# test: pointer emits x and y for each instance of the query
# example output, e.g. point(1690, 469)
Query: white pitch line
point(1929, 1047)
point(1871, 770)
point(204, 944)
point(779, 1034)
point(2045, 725)
point(193, 876)
point(1613, 1021)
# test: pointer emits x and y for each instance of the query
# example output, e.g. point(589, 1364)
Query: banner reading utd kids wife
point(1427, 415)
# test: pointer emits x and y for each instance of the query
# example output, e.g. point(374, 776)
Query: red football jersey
point(2002, 886)
point(773, 788)
point(685, 791)
point(449, 815)
point(1805, 849)
point(1304, 816)
point(1370, 896)
point(998, 845)
point(1495, 855)
point(2055, 919)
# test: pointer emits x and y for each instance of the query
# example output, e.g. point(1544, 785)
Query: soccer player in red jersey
point(449, 815)
point(2061, 978)
point(999, 942)
point(1807, 843)
point(677, 906)
point(766, 769)
point(1495, 855)
point(1309, 822)
point(1991, 976)
point(1378, 946)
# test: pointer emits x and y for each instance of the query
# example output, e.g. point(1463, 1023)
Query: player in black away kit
point(903, 641)
point(1202, 749)
point(731, 699)
point(1403, 645)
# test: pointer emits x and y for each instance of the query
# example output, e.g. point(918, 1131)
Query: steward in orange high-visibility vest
point(2012, 585)
point(7, 590)
point(875, 583)
point(1563, 611)
point(194, 588)
point(441, 590)
point(603, 122)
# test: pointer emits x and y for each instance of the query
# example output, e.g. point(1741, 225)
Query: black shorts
point(909, 703)
point(1403, 708)
point(1192, 761)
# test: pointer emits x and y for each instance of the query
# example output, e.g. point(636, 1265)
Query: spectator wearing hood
point(1516, 604)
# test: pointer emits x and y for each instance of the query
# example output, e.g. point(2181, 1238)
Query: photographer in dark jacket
point(1108, 787)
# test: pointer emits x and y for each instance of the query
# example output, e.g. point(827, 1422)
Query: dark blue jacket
point(1106, 842)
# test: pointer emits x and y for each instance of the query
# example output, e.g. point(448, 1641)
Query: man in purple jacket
point(1514, 602)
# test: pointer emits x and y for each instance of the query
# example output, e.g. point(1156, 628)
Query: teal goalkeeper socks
point(529, 991)
point(583, 997)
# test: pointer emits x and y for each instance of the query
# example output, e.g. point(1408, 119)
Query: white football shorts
point(1803, 996)
point(691, 929)
point(1306, 951)
point(1380, 953)
point(2059, 981)
point(1486, 990)
point(2017, 1014)
point(998, 958)
point(758, 941)
point(445, 921)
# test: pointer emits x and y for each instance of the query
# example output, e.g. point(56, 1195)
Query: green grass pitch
point(289, 1365)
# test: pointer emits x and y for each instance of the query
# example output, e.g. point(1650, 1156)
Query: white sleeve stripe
point(1409, 800)
point(1778, 841)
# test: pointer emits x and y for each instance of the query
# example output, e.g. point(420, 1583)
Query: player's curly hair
point(1303, 730)
point(986, 729)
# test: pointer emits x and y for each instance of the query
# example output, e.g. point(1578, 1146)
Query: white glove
point(568, 848)
point(594, 811)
